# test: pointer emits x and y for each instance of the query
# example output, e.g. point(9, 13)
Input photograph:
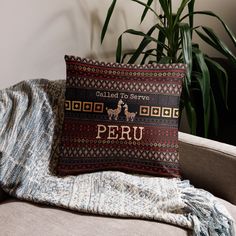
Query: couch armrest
point(209, 164)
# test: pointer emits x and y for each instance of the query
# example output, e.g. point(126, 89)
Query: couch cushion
point(21, 218)
point(209, 165)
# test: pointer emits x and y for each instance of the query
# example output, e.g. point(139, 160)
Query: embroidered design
point(156, 111)
point(76, 106)
point(98, 107)
point(176, 113)
point(114, 113)
point(144, 110)
point(166, 112)
point(127, 118)
point(129, 115)
point(67, 105)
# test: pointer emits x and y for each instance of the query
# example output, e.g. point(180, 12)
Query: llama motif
point(129, 115)
point(114, 113)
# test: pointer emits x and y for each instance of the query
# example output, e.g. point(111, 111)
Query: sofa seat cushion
point(23, 218)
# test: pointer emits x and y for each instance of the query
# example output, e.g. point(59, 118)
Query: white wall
point(35, 35)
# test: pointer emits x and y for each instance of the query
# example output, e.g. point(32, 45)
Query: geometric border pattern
point(166, 112)
point(157, 111)
point(67, 105)
point(144, 111)
point(87, 106)
point(76, 106)
point(176, 113)
point(97, 107)
point(126, 86)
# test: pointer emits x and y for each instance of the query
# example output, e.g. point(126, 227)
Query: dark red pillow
point(121, 117)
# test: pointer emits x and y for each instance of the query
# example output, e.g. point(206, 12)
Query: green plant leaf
point(145, 53)
point(191, 117)
point(125, 54)
point(207, 39)
point(119, 49)
point(145, 56)
point(165, 60)
point(149, 3)
point(173, 40)
point(139, 51)
point(191, 10)
point(221, 76)
point(142, 46)
point(210, 13)
point(214, 113)
point(190, 110)
point(166, 6)
point(185, 32)
point(108, 17)
point(148, 53)
point(182, 6)
point(133, 32)
point(140, 33)
point(205, 86)
point(160, 48)
point(148, 7)
point(219, 45)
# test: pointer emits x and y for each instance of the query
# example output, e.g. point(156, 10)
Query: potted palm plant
point(170, 40)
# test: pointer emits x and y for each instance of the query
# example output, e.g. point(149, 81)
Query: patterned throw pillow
point(121, 117)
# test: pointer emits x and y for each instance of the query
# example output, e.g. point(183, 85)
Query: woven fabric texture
point(121, 117)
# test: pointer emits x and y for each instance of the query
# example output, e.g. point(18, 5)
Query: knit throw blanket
point(31, 116)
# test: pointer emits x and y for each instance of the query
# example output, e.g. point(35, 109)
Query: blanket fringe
point(208, 216)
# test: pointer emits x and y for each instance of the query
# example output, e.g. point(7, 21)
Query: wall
point(35, 35)
point(226, 10)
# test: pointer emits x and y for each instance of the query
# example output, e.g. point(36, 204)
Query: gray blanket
point(31, 115)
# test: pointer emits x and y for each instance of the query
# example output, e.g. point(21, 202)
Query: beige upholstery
point(208, 164)
point(21, 219)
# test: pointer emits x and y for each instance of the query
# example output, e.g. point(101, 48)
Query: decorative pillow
point(121, 117)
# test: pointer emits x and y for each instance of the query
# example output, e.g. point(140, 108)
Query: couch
point(207, 164)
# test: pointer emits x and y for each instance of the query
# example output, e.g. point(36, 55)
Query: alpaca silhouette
point(114, 113)
point(129, 115)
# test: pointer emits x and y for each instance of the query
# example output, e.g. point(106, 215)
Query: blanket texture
point(31, 116)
